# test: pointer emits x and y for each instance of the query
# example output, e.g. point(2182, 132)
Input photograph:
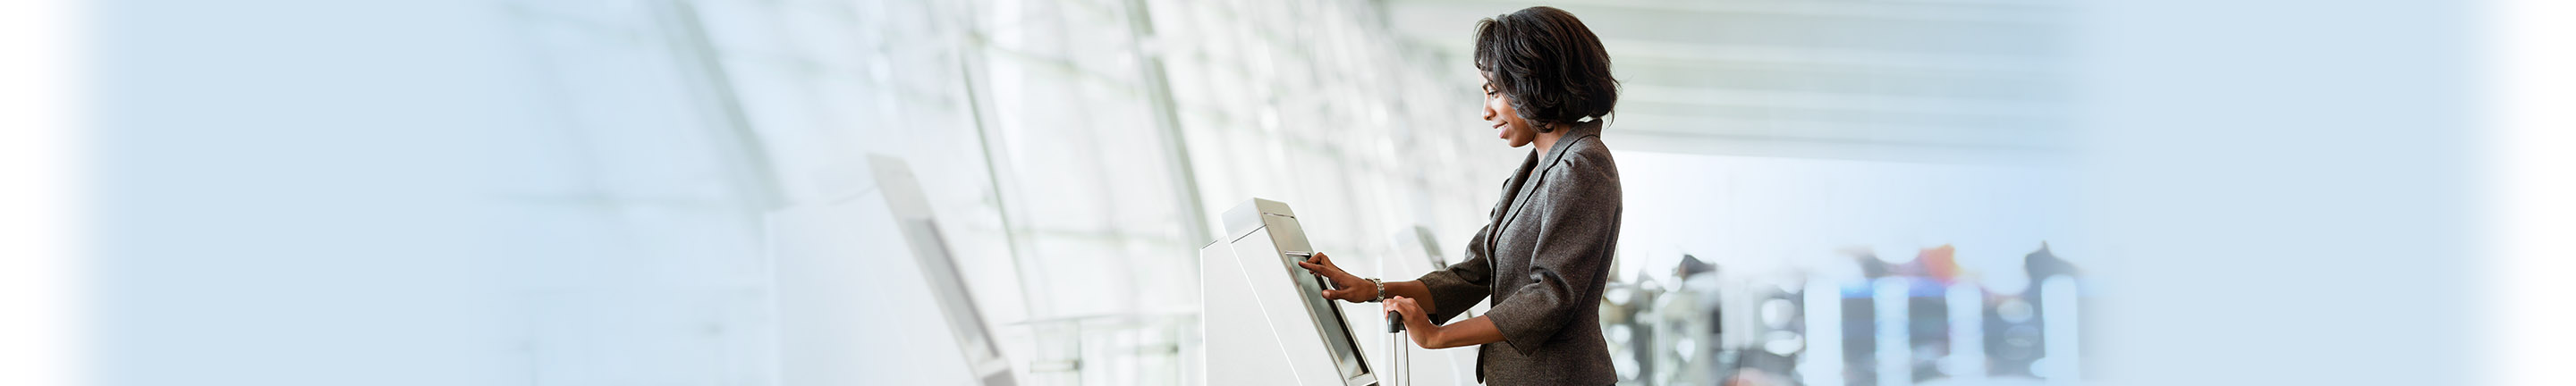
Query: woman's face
point(1507, 123)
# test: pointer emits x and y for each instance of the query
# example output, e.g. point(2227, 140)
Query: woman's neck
point(1546, 141)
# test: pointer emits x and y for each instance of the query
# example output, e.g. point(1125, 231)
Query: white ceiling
point(1853, 79)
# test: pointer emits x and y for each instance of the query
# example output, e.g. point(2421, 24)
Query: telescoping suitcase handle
point(1395, 351)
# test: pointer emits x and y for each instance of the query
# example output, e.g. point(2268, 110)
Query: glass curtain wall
point(1076, 152)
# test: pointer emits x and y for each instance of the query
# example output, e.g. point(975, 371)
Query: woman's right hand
point(1353, 288)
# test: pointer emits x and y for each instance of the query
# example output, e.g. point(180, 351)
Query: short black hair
point(1549, 64)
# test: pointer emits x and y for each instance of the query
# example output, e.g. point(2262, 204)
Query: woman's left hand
point(1416, 323)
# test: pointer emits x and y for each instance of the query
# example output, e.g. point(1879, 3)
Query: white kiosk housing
point(1265, 319)
point(868, 293)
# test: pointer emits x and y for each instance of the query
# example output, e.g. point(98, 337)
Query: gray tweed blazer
point(1543, 259)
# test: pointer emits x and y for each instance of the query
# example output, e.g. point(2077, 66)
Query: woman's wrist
point(1432, 336)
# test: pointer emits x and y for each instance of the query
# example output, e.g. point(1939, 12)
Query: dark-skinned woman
point(1545, 254)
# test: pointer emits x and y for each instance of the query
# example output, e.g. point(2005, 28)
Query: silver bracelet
point(1381, 290)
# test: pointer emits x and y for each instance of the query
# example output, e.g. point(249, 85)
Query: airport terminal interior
point(1829, 192)
point(1120, 192)
point(809, 192)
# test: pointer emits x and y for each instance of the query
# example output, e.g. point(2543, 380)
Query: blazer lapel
point(1511, 199)
point(1537, 175)
point(1512, 189)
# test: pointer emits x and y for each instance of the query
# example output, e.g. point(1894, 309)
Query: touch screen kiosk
point(1266, 320)
point(869, 294)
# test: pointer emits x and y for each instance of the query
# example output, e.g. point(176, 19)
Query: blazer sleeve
point(1577, 228)
point(1462, 285)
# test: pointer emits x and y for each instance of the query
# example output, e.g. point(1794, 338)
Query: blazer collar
point(1573, 133)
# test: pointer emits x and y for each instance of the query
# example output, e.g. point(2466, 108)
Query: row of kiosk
point(843, 307)
point(842, 301)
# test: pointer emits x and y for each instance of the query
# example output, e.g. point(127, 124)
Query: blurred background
point(1828, 192)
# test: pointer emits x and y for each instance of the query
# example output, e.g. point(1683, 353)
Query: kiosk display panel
point(1310, 288)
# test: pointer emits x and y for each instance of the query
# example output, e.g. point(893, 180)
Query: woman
point(1546, 252)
